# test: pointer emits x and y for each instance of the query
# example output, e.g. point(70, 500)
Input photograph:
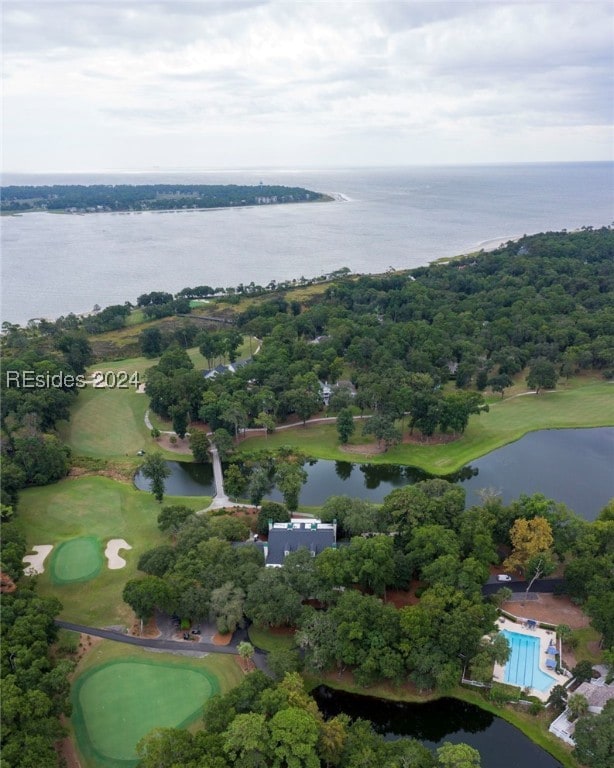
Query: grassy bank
point(583, 402)
point(106, 509)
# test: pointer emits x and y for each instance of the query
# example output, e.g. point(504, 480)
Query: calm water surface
point(499, 743)
point(574, 466)
point(54, 264)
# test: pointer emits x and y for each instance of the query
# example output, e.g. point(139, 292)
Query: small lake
point(500, 744)
point(573, 466)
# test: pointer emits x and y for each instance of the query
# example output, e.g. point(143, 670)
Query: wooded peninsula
point(98, 198)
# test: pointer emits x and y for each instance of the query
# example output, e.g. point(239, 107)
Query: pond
point(573, 466)
point(500, 744)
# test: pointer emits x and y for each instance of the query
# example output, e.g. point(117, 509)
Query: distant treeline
point(128, 197)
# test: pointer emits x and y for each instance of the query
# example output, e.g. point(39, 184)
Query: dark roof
point(283, 540)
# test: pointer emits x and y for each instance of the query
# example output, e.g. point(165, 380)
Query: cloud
point(355, 69)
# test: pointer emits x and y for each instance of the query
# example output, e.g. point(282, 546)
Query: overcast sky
point(264, 83)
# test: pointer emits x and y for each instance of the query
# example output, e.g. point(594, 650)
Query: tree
point(457, 756)
point(42, 458)
point(500, 383)
point(246, 651)
point(145, 595)
point(542, 375)
point(77, 350)
point(577, 704)
point(538, 567)
point(345, 425)
point(150, 342)
point(234, 481)
point(273, 512)
point(227, 607)
point(583, 671)
point(270, 602)
point(246, 741)
point(166, 747)
point(593, 738)
point(199, 445)
point(383, 429)
point(501, 596)
point(558, 697)
point(266, 421)
point(172, 519)
point(222, 440)
point(259, 484)
point(155, 469)
point(290, 478)
point(457, 407)
point(294, 736)
point(304, 402)
point(157, 561)
point(179, 415)
point(529, 538)
point(282, 661)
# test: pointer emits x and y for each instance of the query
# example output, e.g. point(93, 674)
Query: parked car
point(504, 577)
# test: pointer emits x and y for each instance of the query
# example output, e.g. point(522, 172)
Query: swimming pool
point(522, 667)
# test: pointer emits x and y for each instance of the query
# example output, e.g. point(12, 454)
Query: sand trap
point(111, 553)
point(35, 562)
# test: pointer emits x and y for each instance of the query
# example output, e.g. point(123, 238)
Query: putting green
point(117, 703)
point(76, 560)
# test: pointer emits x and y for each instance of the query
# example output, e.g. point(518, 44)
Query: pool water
point(522, 667)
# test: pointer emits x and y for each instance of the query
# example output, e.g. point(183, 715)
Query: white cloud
point(283, 82)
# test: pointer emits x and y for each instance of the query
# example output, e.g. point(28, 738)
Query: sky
point(108, 86)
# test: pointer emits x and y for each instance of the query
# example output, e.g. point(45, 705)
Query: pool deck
point(545, 636)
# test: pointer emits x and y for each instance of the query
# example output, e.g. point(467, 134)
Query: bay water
point(383, 218)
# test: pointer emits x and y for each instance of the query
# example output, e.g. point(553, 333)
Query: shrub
point(536, 707)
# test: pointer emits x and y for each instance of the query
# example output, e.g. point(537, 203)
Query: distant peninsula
point(98, 198)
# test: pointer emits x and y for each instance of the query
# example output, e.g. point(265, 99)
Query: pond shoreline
point(529, 727)
point(569, 466)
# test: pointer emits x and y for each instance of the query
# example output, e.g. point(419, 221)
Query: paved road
point(188, 647)
point(540, 585)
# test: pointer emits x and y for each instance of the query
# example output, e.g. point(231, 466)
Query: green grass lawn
point(121, 693)
point(269, 640)
point(102, 508)
point(110, 422)
point(583, 402)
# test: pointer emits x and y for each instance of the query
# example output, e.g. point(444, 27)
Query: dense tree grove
point(266, 725)
point(541, 305)
point(35, 684)
point(129, 197)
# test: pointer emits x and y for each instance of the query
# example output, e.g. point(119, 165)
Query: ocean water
point(384, 218)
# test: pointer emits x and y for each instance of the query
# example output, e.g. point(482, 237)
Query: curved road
point(175, 646)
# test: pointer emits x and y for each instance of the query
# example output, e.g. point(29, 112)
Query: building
point(597, 695)
point(310, 533)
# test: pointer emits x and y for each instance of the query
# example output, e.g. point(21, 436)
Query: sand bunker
point(35, 561)
point(111, 553)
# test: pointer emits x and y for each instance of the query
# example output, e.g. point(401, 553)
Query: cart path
point(187, 647)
